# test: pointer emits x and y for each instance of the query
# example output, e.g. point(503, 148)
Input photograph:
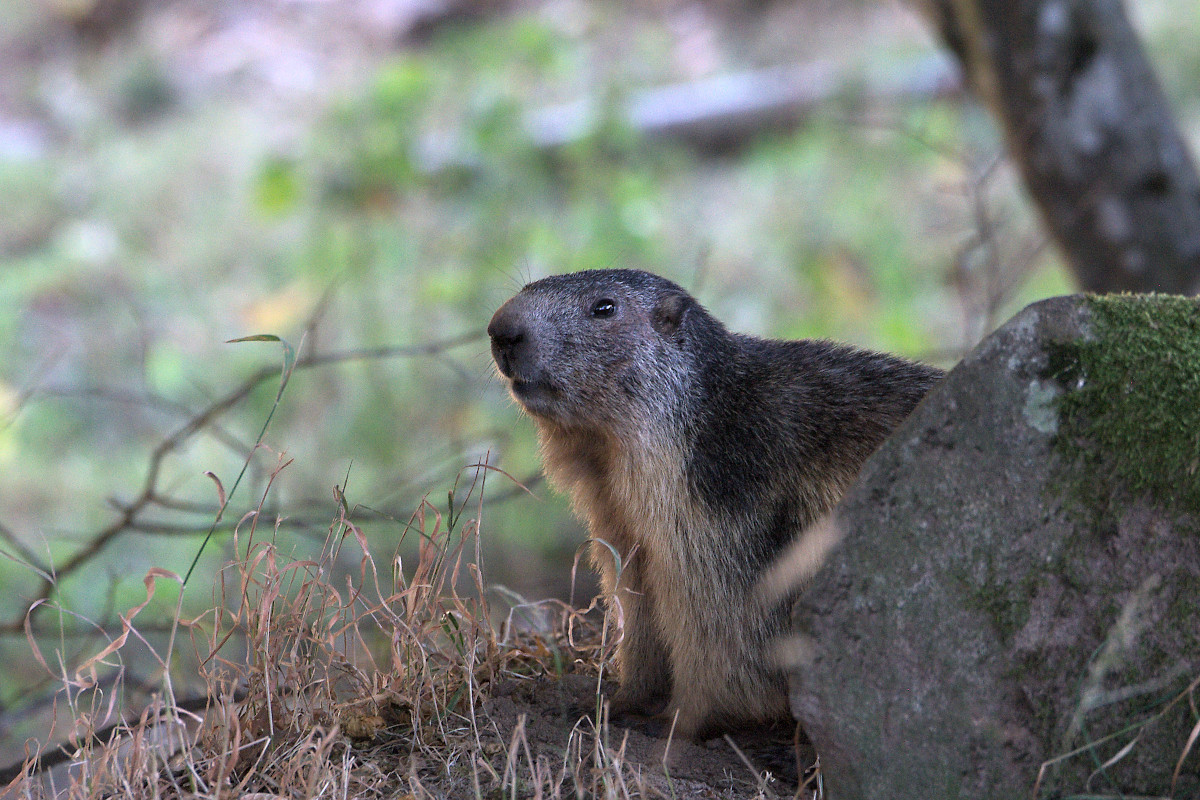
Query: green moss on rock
point(1129, 415)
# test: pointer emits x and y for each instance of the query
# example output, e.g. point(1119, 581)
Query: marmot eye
point(604, 308)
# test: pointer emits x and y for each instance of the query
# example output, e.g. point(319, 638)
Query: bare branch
point(130, 516)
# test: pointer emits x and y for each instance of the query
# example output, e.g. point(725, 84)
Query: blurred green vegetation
point(154, 217)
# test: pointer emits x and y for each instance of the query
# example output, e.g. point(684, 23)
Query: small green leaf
point(258, 337)
point(289, 355)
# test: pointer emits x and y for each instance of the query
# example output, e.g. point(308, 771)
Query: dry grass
point(362, 686)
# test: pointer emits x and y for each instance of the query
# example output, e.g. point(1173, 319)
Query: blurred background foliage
point(365, 174)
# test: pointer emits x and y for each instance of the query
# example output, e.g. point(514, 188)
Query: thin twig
point(128, 516)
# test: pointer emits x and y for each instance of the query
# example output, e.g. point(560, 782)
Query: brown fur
point(694, 456)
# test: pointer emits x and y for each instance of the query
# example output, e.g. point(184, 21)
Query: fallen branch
point(720, 112)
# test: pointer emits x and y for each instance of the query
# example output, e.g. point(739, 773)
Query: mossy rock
point(1130, 415)
point(1014, 609)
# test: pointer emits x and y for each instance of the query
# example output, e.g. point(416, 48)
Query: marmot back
point(696, 455)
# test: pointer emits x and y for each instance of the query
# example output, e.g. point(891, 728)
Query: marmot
point(694, 455)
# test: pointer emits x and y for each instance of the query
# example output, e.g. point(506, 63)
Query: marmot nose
point(507, 333)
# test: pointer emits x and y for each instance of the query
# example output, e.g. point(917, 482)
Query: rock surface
point(1013, 610)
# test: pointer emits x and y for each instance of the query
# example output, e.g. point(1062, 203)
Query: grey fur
point(697, 454)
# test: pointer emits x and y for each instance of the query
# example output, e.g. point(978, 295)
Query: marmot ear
point(668, 313)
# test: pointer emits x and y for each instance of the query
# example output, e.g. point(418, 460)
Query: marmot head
point(611, 348)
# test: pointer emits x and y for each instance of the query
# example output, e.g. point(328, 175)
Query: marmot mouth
point(537, 397)
point(523, 389)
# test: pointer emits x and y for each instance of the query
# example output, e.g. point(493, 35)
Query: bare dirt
point(744, 764)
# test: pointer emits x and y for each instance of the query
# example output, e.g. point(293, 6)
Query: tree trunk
point(1089, 125)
